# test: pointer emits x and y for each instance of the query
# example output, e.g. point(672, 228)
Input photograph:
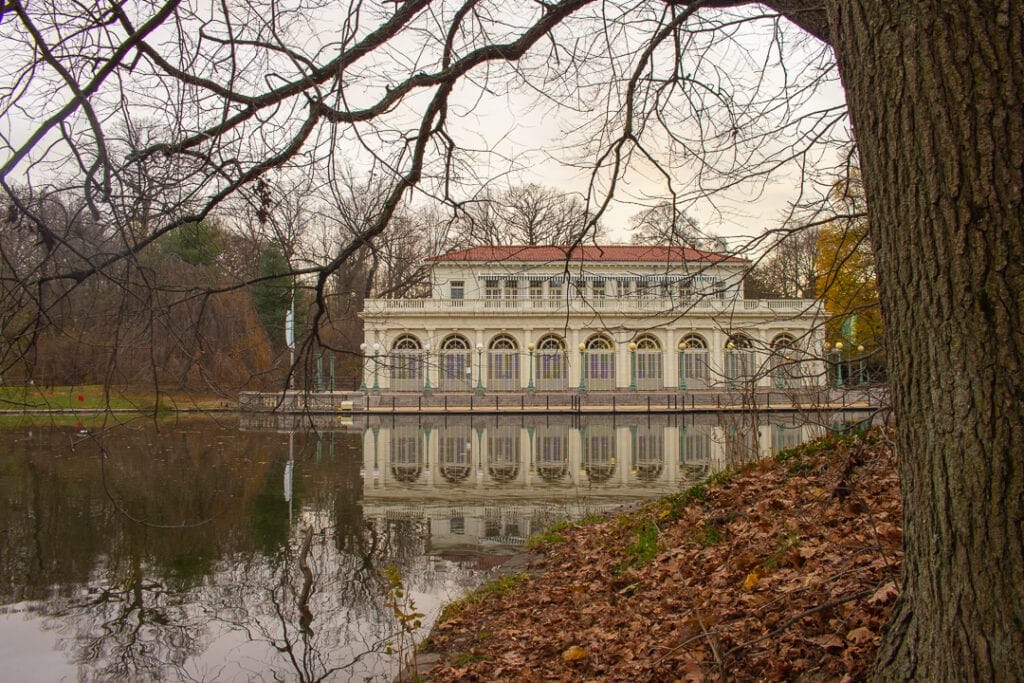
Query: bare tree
point(524, 215)
point(721, 87)
point(789, 269)
point(665, 224)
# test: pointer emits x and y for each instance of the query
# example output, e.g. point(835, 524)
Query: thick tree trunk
point(936, 94)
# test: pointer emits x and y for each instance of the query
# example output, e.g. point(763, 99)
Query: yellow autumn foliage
point(846, 273)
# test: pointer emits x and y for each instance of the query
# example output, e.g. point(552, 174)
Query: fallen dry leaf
point(574, 654)
point(885, 594)
point(860, 635)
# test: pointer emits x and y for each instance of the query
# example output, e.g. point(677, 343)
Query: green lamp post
point(530, 386)
point(632, 366)
point(479, 368)
point(583, 370)
point(426, 369)
point(839, 365)
point(730, 364)
point(376, 369)
point(683, 345)
point(362, 366)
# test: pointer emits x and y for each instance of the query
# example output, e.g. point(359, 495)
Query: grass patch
point(552, 535)
point(671, 507)
point(709, 534)
point(87, 397)
point(94, 397)
point(464, 658)
point(643, 549)
point(544, 538)
point(492, 589)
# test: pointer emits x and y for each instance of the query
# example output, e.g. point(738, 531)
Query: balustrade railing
point(647, 304)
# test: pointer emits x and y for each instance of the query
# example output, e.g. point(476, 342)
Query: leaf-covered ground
point(783, 570)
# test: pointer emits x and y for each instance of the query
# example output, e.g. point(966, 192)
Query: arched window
point(551, 342)
point(694, 341)
point(599, 363)
point(648, 342)
point(739, 359)
point(406, 342)
point(650, 373)
point(740, 341)
point(783, 341)
point(503, 342)
point(455, 360)
point(406, 363)
point(694, 367)
point(455, 342)
point(552, 372)
point(503, 364)
point(786, 370)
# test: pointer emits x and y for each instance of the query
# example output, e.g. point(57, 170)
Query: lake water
point(206, 550)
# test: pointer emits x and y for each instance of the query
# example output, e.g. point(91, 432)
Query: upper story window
point(511, 289)
point(555, 289)
point(624, 287)
point(536, 289)
point(492, 289)
point(458, 289)
point(598, 288)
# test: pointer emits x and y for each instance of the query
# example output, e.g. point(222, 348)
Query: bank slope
point(784, 569)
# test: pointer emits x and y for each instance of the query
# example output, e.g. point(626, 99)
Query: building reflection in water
point(495, 480)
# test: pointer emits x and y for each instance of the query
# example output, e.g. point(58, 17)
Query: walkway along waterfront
point(564, 401)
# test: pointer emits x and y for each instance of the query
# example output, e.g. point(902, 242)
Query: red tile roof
point(587, 253)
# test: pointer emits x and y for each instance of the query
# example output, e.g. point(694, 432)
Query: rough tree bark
point(936, 94)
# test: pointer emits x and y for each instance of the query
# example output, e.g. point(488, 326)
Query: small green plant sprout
point(409, 621)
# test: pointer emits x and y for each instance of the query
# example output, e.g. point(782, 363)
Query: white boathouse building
point(589, 318)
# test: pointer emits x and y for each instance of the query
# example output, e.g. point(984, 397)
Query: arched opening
point(786, 366)
point(550, 364)
point(503, 363)
point(455, 358)
point(694, 366)
point(740, 360)
point(649, 361)
point(599, 363)
point(406, 363)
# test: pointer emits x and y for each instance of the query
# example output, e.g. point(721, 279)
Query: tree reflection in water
point(246, 595)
